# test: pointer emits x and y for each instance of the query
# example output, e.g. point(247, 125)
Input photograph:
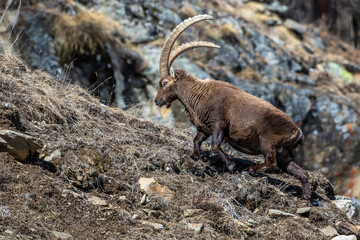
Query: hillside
point(112, 49)
point(86, 154)
point(85, 182)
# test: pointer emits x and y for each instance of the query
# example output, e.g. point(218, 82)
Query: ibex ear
point(179, 74)
point(177, 77)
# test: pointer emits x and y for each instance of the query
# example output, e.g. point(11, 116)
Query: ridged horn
point(165, 53)
point(187, 46)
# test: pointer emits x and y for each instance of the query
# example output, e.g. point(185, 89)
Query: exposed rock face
point(18, 145)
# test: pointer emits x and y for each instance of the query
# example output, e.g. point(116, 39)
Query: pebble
point(62, 235)
point(329, 231)
point(277, 213)
point(157, 226)
point(54, 154)
point(303, 211)
point(344, 237)
point(295, 26)
point(346, 205)
point(197, 227)
point(97, 201)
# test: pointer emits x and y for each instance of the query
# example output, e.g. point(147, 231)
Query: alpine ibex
point(248, 123)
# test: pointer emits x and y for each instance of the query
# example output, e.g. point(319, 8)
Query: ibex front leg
point(199, 138)
point(217, 138)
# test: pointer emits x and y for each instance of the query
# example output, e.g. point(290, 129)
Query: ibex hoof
point(195, 157)
point(250, 170)
point(306, 196)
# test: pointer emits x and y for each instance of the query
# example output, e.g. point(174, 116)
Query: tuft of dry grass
point(229, 33)
point(251, 74)
point(87, 31)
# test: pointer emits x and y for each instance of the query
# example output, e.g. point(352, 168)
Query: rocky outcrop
point(19, 145)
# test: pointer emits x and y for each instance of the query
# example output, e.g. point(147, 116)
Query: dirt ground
point(90, 189)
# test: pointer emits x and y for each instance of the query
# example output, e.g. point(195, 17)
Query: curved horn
point(187, 46)
point(165, 53)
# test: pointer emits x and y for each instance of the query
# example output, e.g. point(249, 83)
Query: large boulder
point(19, 145)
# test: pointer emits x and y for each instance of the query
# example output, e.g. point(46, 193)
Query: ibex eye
point(165, 83)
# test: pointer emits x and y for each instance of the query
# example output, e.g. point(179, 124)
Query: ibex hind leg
point(285, 162)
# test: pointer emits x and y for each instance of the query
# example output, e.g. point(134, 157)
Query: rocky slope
point(88, 179)
point(101, 173)
point(301, 69)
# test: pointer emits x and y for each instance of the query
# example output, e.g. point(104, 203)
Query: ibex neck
point(191, 91)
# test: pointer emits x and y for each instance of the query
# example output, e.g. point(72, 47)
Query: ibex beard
point(218, 109)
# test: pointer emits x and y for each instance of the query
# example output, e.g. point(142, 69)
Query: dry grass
point(228, 32)
point(47, 104)
point(251, 74)
point(87, 31)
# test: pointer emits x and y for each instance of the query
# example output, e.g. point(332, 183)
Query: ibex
point(248, 123)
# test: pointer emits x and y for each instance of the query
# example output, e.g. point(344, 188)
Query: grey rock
point(97, 201)
point(329, 231)
point(303, 211)
point(295, 26)
point(18, 145)
point(1, 46)
point(141, 32)
point(196, 227)
point(9, 232)
point(252, 222)
point(346, 205)
point(144, 199)
point(165, 16)
point(62, 235)
point(344, 237)
point(155, 214)
point(278, 213)
point(190, 67)
point(4, 211)
point(277, 7)
point(245, 226)
point(157, 226)
point(271, 22)
point(314, 39)
point(136, 10)
point(54, 154)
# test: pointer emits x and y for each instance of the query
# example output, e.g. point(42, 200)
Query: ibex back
point(248, 123)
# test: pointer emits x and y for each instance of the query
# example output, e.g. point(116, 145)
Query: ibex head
point(168, 77)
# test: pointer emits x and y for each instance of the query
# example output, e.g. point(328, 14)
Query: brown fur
point(247, 123)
